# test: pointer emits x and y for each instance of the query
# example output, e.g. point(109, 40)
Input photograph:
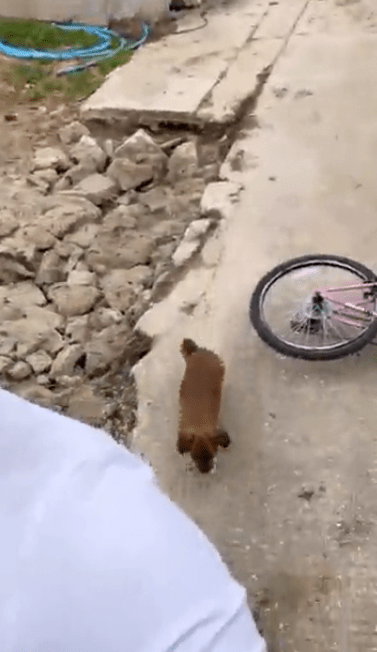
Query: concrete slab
point(170, 77)
point(199, 76)
point(308, 173)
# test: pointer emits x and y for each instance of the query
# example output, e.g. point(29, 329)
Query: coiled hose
point(103, 49)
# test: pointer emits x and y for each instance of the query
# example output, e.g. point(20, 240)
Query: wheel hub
point(310, 319)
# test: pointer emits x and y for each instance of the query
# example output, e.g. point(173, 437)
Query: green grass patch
point(42, 36)
point(36, 80)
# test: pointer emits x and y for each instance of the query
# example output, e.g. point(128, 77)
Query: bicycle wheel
point(299, 307)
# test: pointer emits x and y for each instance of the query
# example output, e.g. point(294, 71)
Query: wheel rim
point(288, 310)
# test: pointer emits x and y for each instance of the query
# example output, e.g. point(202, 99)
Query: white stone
point(50, 157)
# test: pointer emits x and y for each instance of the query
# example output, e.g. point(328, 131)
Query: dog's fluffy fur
point(199, 397)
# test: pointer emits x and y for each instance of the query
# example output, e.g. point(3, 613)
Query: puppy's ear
point(184, 443)
point(221, 438)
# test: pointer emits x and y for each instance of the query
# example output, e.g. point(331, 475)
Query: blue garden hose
point(98, 52)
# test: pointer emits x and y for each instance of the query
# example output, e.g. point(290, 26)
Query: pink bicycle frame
point(325, 292)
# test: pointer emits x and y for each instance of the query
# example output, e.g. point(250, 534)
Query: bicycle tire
point(291, 350)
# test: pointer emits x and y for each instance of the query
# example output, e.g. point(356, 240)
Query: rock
point(73, 300)
point(83, 277)
point(41, 185)
point(117, 293)
point(88, 149)
point(72, 133)
point(106, 347)
point(65, 249)
point(62, 184)
point(184, 204)
point(8, 223)
point(12, 271)
point(66, 361)
point(103, 317)
point(140, 305)
point(119, 219)
point(128, 198)
point(161, 285)
point(97, 188)
point(115, 251)
point(48, 176)
point(219, 198)
point(51, 341)
point(183, 162)
point(74, 259)
point(32, 333)
point(39, 361)
point(155, 199)
point(69, 214)
point(185, 251)
point(39, 237)
point(19, 249)
point(164, 252)
point(191, 241)
point(197, 229)
point(141, 149)
point(22, 295)
point(129, 175)
point(77, 329)
point(50, 270)
point(120, 285)
point(108, 147)
point(7, 346)
point(70, 381)
point(19, 371)
point(79, 172)
point(43, 379)
point(37, 394)
point(167, 229)
point(211, 172)
point(9, 313)
point(46, 315)
point(190, 188)
point(5, 363)
point(85, 405)
point(84, 236)
point(50, 157)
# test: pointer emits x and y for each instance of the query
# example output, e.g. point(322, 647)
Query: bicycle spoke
point(317, 325)
point(335, 328)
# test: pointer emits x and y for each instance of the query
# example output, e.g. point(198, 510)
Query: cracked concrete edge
point(219, 199)
point(231, 93)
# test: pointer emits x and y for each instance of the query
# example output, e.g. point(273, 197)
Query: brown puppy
point(199, 398)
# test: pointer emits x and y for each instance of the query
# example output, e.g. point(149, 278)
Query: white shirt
point(94, 557)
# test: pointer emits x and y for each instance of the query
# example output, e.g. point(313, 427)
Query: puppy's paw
point(222, 438)
point(184, 443)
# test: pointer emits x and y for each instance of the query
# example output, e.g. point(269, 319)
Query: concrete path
point(202, 73)
point(308, 173)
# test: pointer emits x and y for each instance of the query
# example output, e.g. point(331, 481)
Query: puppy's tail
point(188, 347)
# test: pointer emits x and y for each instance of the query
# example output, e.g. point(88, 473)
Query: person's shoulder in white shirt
point(96, 558)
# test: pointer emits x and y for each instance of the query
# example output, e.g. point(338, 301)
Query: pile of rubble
point(88, 240)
